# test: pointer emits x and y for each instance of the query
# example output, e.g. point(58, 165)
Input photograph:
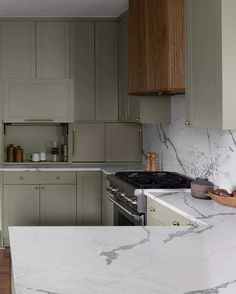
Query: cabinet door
point(204, 63)
point(106, 70)
point(52, 49)
point(58, 205)
point(18, 49)
point(40, 100)
point(123, 142)
point(89, 198)
point(82, 66)
point(159, 214)
point(129, 106)
point(88, 142)
point(21, 207)
point(107, 205)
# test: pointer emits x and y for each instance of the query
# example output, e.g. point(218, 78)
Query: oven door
point(124, 216)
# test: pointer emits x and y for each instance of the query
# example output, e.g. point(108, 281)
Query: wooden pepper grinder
point(148, 163)
point(153, 161)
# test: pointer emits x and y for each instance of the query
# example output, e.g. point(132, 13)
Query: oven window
point(124, 221)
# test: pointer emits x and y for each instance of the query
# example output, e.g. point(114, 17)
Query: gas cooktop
point(156, 180)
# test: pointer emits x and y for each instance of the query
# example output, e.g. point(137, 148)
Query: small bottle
point(55, 154)
point(18, 154)
point(154, 161)
point(10, 153)
point(148, 163)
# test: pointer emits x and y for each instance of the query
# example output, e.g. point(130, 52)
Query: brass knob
point(187, 123)
point(21, 178)
point(175, 223)
point(42, 188)
point(152, 209)
point(58, 178)
point(36, 188)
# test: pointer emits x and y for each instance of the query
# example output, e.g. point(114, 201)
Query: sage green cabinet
point(129, 106)
point(58, 205)
point(21, 207)
point(52, 49)
point(89, 198)
point(107, 205)
point(211, 63)
point(18, 49)
point(38, 100)
point(123, 142)
point(161, 215)
point(106, 71)
point(88, 142)
point(82, 69)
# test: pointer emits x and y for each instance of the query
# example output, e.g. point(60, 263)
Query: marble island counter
point(115, 260)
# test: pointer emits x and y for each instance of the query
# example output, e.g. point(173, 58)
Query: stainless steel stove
point(127, 195)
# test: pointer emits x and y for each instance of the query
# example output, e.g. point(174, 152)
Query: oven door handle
point(124, 209)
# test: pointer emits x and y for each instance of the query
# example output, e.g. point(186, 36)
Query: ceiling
point(82, 8)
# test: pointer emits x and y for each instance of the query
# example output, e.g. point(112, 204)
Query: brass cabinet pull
point(42, 188)
point(152, 209)
point(38, 119)
point(175, 223)
point(58, 178)
point(187, 123)
point(73, 143)
point(21, 178)
point(36, 187)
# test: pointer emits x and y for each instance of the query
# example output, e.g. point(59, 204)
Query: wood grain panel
point(5, 271)
point(156, 50)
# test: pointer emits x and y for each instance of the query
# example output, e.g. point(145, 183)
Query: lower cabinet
point(58, 205)
point(51, 199)
point(160, 215)
point(89, 198)
point(107, 205)
point(20, 206)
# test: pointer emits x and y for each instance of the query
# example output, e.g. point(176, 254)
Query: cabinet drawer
point(159, 213)
point(45, 177)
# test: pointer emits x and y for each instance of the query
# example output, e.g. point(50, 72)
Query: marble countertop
point(104, 167)
point(115, 260)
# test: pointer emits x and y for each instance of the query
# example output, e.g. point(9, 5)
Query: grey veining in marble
point(133, 260)
point(196, 152)
point(112, 255)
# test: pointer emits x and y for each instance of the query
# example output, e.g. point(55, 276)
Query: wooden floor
point(5, 271)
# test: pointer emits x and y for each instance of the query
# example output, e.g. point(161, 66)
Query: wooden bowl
point(228, 201)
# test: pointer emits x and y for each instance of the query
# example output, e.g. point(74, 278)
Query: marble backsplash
point(206, 153)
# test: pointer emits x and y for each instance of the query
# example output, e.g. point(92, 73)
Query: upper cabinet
point(38, 100)
point(94, 65)
point(211, 63)
point(156, 48)
point(52, 49)
point(35, 49)
point(129, 106)
point(82, 69)
point(106, 71)
point(18, 49)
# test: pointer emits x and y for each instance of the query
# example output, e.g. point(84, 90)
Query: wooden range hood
point(156, 47)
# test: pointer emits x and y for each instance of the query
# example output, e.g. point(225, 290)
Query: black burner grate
point(156, 180)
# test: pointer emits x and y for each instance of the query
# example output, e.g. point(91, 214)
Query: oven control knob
point(123, 195)
point(114, 190)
